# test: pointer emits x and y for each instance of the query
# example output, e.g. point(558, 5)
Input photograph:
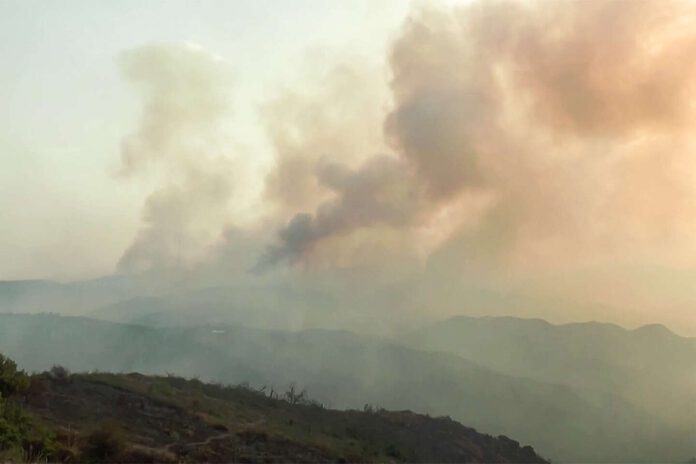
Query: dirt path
point(212, 438)
point(207, 441)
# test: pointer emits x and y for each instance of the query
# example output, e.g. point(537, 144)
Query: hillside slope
point(172, 419)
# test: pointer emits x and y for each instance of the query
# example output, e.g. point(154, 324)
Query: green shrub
point(11, 380)
point(22, 438)
point(106, 442)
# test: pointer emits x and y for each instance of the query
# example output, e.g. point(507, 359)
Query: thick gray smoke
point(376, 194)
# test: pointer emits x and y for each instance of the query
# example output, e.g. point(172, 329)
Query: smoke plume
point(550, 132)
point(181, 143)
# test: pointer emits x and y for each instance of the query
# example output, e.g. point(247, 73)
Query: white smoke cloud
point(182, 143)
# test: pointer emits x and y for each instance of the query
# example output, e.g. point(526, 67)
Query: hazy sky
point(66, 106)
point(540, 148)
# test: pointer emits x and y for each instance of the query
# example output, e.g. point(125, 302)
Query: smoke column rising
point(517, 140)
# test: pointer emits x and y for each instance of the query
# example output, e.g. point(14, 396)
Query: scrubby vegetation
point(12, 380)
point(62, 417)
point(22, 436)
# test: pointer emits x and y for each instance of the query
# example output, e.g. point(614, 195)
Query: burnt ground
point(139, 418)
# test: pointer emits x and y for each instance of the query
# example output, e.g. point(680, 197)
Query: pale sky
point(66, 107)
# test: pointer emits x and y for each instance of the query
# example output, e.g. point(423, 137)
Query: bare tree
point(293, 396)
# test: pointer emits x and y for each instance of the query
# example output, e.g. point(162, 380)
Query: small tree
point(293, 396)
point(60, 372)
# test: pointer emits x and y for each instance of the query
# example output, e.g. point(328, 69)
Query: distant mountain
point(650, 366)
point(345, 370)
point(271, 306)
point(252, 307)
point(34, 296)
point(170, 301)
